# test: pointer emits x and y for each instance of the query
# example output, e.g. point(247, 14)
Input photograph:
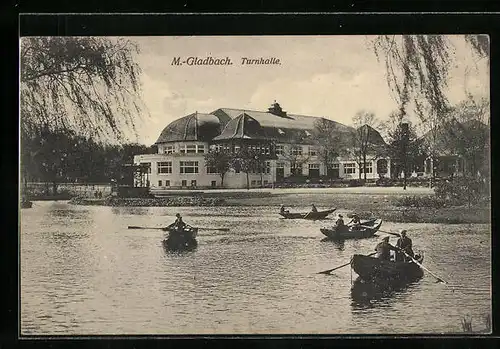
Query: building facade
point(288, 140)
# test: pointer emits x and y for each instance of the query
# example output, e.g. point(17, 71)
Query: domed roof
point(243, 126)
point(193, 127)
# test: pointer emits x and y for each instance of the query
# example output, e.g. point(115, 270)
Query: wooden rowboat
point(375, 269)
point(180, 238)
point(308, 215)
point(370, 227)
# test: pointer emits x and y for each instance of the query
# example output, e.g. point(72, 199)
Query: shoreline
point(366, 206)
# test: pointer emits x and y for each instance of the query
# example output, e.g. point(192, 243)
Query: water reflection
point(182, 246)
point(366, 294)
point(339, 244)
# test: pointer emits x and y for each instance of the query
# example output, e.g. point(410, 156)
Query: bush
point(421, 201)
point(462, 190)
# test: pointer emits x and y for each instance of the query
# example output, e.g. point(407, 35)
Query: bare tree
point(329, 139)
point(366, 143)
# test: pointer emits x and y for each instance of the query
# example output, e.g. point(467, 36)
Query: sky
point(327, 76)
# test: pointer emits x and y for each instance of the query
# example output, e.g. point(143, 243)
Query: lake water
point(83, 272)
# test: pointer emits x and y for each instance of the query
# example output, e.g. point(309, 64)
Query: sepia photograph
point(265, 185)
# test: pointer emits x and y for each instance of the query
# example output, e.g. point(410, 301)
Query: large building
point(288, 140)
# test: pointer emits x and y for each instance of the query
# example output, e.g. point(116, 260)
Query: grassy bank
point(370, 205)
point(147, 202)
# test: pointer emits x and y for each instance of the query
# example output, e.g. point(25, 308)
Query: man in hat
point(355, 223)
point(340, 222)
point(179, 223)
point(404, 243)
point(313, 209)
point(282, 210)
point(384, 249)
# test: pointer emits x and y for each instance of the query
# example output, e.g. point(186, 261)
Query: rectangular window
point(268, 167)
point(211, 170)
point(214, 183)
point(236, 148)
point(164, 167)
point(193, 183)
point(349, 168)
point(189, 167)
point(369, 168)
point(280, 165)
point(297, 151)
point(266, 182)
point(335, 166)
point(184, 183)
point(169, 149)
point(279, 150)
point(167, 183)
point(201, 148)
point(159, 183)
point(188, 149)
point(314, 166)
point(313, 151)
point(254, 183)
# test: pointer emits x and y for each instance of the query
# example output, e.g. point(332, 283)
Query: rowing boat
point(307, 215)
point(368, 229)
point(179, 238)
point(371, 268)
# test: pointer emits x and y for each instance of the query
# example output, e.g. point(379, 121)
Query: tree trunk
point(222, 179)
point(54, 188)
point(248, 182)
point(359, 171)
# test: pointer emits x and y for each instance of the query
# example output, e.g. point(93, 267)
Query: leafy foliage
point(87, 84)
point(220, 160)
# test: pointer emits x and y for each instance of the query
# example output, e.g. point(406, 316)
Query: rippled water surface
point(83, 272)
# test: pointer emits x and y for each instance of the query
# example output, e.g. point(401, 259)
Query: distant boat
point(307, 215)
point(375, 269)
point(368, 229)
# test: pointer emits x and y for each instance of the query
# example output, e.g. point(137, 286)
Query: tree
point(467, 134)
point(417, 67)
point(403, 146)
point(88, 84)
point(330, 140)
point(365, 143)
point(247, 160)
point(219, 160)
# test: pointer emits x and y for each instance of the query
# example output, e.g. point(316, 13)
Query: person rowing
point(282, 210)
point(355, 223)
point(384, 249)
point(404, 243)
point(313, 209)
point(178, 224)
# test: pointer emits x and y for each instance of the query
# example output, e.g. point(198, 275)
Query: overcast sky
point(329, 76)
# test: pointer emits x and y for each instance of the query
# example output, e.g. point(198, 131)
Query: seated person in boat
point(339, 223)
point(313, 209)
point(179, 223)
point(355, 223)
point(384, 249)
point(404, 243)
point(282, 210)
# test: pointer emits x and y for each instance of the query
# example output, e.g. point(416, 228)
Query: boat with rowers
point(308, 215)
point(180, 237)
point(375, 269)
point(366, 229)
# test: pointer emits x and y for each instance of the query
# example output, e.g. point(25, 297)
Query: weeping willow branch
point(86, 84)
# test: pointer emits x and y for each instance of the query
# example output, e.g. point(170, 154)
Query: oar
point(382, 231)
point(163, 228)
point(340, 266)
point(421, 266)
